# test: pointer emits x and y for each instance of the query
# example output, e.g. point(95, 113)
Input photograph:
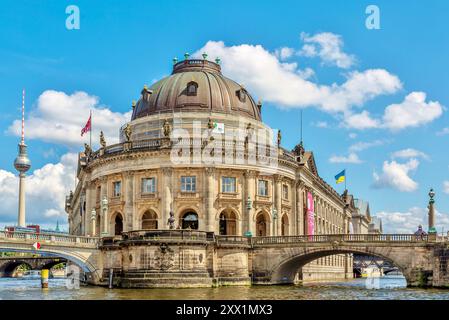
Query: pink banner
point(310, 215)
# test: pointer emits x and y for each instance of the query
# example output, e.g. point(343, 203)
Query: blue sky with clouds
point(375, 101)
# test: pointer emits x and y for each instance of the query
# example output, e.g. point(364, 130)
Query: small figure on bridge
point(420, 233)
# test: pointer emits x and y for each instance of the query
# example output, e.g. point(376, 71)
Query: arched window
point(149, 220)
point(189, 221)
point(285, 225)
point(228, 224)
point(192, 88)
point(118, 224)
point(261, 225)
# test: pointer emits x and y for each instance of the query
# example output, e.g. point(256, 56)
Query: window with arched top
point(149, 220)
point(192, 88)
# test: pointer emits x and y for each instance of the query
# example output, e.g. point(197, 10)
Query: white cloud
point(352, 135)
point(328, 47)
point(46, 189)
point(351, 158)
point(409, 153)
point(408, 221)
point(396, 175)
point(280, 83)
point(446, 187)
point(414, 111)
point(284, 53)
point(443, 131)
point(360, 121)
point(362, 145)
point(322, 124)
point(306, 73)
point(60, 117)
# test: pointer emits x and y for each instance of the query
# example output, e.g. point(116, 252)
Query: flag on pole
point(339, 178)
point(87, 127)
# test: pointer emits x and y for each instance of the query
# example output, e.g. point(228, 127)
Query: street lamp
point(104, 210)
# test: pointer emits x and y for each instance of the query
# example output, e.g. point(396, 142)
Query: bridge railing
point(233, 240)
point(47, 237)
point(171, 235)
point(339, 237)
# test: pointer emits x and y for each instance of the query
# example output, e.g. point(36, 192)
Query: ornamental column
point(89, 207)
point(104, 206)
point(248, 224)
point(278, 205)
point(166, 196)
point(129, 200)
point(93, 222)
point(209, 222)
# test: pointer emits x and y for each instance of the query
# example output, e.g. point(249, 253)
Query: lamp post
point(431, 212)
point(104, 210)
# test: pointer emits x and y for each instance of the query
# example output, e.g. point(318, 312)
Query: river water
point(385, 288)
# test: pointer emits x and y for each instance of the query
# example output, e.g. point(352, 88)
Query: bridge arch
point(86, 263)
point(284, 271)
point(7, 270)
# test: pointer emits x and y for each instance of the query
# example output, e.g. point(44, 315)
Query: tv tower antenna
point(22, 164)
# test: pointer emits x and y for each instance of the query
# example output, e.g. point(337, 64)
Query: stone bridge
point(172, 258)
point(8, 265)
point(81, 251)
point(276, 260)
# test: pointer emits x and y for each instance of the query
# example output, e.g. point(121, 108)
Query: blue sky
point(121, 46)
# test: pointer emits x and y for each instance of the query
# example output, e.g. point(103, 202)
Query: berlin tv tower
point(22, 164)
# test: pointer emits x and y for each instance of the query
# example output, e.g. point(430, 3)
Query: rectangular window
point(228, 184)
point(148, 185)
point(117, 189)
point(262, 189)
point(285, 192)
point(188, 183)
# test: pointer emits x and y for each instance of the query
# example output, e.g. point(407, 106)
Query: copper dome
point(196, 86)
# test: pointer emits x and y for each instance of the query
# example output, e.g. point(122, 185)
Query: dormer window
point(241, 94)
point(192, 88)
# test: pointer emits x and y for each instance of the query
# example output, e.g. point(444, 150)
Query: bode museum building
point(196, 166)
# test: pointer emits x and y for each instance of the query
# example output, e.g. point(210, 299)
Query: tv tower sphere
point(22, 162)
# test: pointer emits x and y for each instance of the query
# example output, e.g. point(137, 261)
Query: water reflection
point(389, 287)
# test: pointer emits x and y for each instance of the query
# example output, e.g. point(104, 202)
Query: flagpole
point(346, 178)
point(90, 128)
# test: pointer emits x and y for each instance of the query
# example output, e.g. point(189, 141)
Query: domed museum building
point(196, 163)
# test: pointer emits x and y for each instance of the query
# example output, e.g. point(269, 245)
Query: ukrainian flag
point(339, 178)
